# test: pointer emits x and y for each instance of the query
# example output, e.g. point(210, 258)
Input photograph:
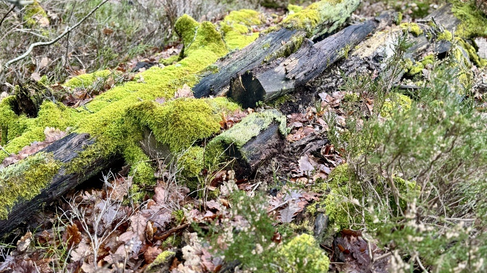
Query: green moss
point(24, 180)
point(332, 12)
point(33, 13)
point(474, 22)
point(445, 35)
point(170, 60)
point(395, 101)
point(177, 123)
point(192, 162)
point(237, 28)
point(162, 260)
point(302, 254)
point(87, 79)
point(294, 8)
point(472, 53)
point(412, 28)
point(111, 117)
point(241, 133)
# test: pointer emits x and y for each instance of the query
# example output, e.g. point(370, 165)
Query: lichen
point(24, 180)
point(85, 80)
point(241, 133)
point(333, 12)
point(302, 254)
point(412, 28)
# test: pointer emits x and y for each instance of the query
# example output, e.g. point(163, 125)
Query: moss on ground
point(395, 101)
point(302, 254)
point(25, 180)
point(34, 15)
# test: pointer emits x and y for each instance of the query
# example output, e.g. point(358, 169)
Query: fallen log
point(267, 82)
point(276, 44)
point(43, 178)
point(251, 142)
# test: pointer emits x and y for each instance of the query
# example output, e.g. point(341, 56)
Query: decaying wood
point(249, 57)
point(64, 150)
point(266, 82)
point(265, 49)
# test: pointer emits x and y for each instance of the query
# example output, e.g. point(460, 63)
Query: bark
point(267, 82)
point(65, 151)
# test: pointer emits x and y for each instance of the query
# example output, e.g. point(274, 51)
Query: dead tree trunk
point(63, 152)
point(266, 82)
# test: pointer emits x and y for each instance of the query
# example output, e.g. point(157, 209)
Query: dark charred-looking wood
point(64, 150)
point(266, 82)
point(243, 60)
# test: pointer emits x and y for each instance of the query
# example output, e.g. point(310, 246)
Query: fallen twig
point(6, 14)
point(68, 30)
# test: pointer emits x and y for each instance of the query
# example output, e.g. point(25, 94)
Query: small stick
point(68, 30)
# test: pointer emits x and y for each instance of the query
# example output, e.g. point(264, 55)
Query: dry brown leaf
point(151, 254)
point(24, 242)
point(72, 236)
point(184, 92)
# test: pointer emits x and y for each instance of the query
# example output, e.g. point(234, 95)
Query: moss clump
point(339, 203)
point(412, 28)
point(294, 8)
point(302, 254)
point(237, 28)
point(87, 79)
point(34, 14)
point(472, 53)
point(177, 123)
point(445, 35)
point(333, 12)
point(162, 260)
point(199, 36)
point(241, 133)
point(393, 102)
point(25, 180)
point(474, 22)
point(192, 161)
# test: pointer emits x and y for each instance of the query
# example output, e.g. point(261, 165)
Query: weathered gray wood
point(251, 142)
point(64, 151)
point(251, 56)
point(275, 44)
point(266, 82)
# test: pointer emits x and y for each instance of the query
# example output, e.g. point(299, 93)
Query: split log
point(251, 142)
point(276, 44)
point(60, 153)
point(266, 82)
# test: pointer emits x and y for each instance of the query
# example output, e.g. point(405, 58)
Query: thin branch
point(6, 14)
point(68, 30)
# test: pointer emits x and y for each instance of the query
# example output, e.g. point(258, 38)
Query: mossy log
point(251, 142)
point(317, 20)
point(42, 178)
point(266, 82)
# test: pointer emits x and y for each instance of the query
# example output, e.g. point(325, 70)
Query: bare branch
point(6, 14)
point(68, 30)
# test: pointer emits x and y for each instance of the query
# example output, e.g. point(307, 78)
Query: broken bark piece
point(252, 141)
point(320, 18)
point(267, 82)
point(28, 185)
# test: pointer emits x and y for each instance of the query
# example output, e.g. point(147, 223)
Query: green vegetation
point(25, 180)
point(415, 170)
